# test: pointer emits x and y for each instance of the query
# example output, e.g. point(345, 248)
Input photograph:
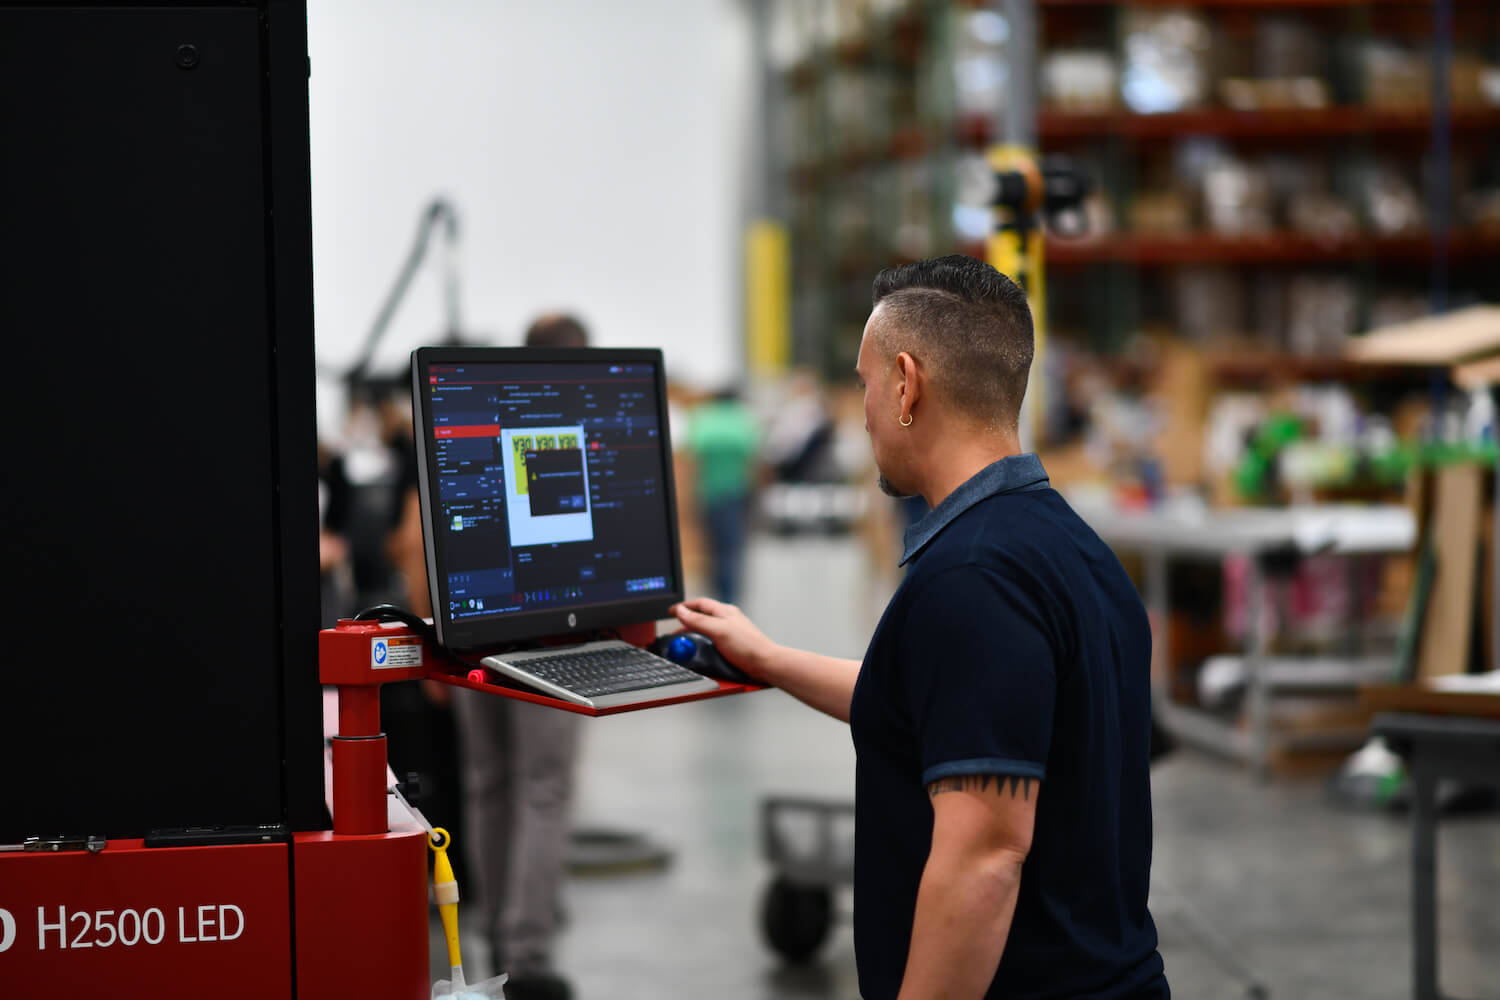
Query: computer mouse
point(698, 653)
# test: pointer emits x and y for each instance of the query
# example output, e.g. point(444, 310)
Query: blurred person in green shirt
point(724, 439)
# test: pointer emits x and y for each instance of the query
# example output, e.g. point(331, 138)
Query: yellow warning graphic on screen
point(519, 446)
point(547, 493)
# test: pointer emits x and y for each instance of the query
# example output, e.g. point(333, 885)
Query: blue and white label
point(396, 651)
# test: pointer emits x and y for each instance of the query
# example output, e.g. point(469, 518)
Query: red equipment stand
point(357, 657)
point(340, 913)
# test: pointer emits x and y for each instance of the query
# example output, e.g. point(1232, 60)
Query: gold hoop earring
point(906, 422)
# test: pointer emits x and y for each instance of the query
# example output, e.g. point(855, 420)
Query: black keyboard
point(598, 673)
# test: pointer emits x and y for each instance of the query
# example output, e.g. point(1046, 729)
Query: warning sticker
point(397, 651)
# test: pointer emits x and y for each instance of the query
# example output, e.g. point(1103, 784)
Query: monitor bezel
point(523, 626)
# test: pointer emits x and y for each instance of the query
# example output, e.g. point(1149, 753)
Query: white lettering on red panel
point(67, 930)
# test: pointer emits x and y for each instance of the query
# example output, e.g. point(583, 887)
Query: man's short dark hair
point(968, 323)
point(557, 330)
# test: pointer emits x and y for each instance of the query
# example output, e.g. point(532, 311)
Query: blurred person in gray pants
point(518, 761)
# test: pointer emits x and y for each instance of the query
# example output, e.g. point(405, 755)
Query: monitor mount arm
point(438, 213)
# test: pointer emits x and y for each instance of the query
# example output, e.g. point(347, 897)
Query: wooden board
point(1449, 625)
point(1461, 335)
point(1409, 638)
point(1486, 655)
point(1418, 499)
point(1425, 700)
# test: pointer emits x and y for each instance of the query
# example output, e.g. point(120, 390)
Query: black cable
point(419, 625)
point(393, 613)
point(437, 211)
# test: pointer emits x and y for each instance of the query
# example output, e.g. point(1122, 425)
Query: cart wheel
point(795, 918)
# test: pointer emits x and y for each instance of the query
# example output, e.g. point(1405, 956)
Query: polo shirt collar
point(1013, 474)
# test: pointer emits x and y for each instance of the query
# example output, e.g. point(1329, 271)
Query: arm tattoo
point(1002, 784)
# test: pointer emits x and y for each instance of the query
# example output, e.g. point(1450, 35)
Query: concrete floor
point(1313, 899)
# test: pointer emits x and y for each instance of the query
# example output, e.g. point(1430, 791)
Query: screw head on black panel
point(187, 57)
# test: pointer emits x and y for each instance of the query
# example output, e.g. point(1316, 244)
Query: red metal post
point(359, 790)
point(357, 658)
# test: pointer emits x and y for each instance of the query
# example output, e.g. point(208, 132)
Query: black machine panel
point(159, 517)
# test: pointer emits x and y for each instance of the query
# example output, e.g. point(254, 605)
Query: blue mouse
point(698, 653)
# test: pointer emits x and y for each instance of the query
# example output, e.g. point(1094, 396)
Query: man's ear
point(911, 379)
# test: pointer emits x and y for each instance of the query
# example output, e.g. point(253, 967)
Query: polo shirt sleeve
point(980, 676)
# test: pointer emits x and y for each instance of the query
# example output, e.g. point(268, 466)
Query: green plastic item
point(1252, 475)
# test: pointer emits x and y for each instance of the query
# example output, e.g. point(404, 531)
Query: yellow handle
point(445, 891)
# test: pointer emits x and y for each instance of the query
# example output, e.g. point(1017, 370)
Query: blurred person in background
point(371, 547)
point(518, 761)
point(723, 437)
point(1001, 715)
point(417, 716)
point(557, 330)
point(799, 440)
point(366, 483)
point(335, 575)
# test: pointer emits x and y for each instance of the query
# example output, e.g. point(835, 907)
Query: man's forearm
point(824, 682)
point(963, 916)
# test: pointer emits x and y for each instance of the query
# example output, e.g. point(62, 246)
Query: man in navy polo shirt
point(1001, 714)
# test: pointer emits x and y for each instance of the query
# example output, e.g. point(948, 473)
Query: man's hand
point(824, 682)
point(981, 833)
point(736, 636)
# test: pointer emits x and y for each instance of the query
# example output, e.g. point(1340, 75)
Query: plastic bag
point(489, 989)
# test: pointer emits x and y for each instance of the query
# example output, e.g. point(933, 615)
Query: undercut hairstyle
point(969, 324)
point(557, 330)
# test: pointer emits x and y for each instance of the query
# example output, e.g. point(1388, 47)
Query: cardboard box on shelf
point(1070, 466)
point(1181, 393)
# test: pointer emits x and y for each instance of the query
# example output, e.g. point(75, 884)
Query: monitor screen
point(547, 497)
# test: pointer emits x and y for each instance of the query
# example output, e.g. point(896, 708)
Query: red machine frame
point(350, 658)
point(335, 913)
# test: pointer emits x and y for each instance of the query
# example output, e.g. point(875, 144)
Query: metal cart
point(810, 845)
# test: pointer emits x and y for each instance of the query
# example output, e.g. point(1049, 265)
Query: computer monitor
point(545, 477)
